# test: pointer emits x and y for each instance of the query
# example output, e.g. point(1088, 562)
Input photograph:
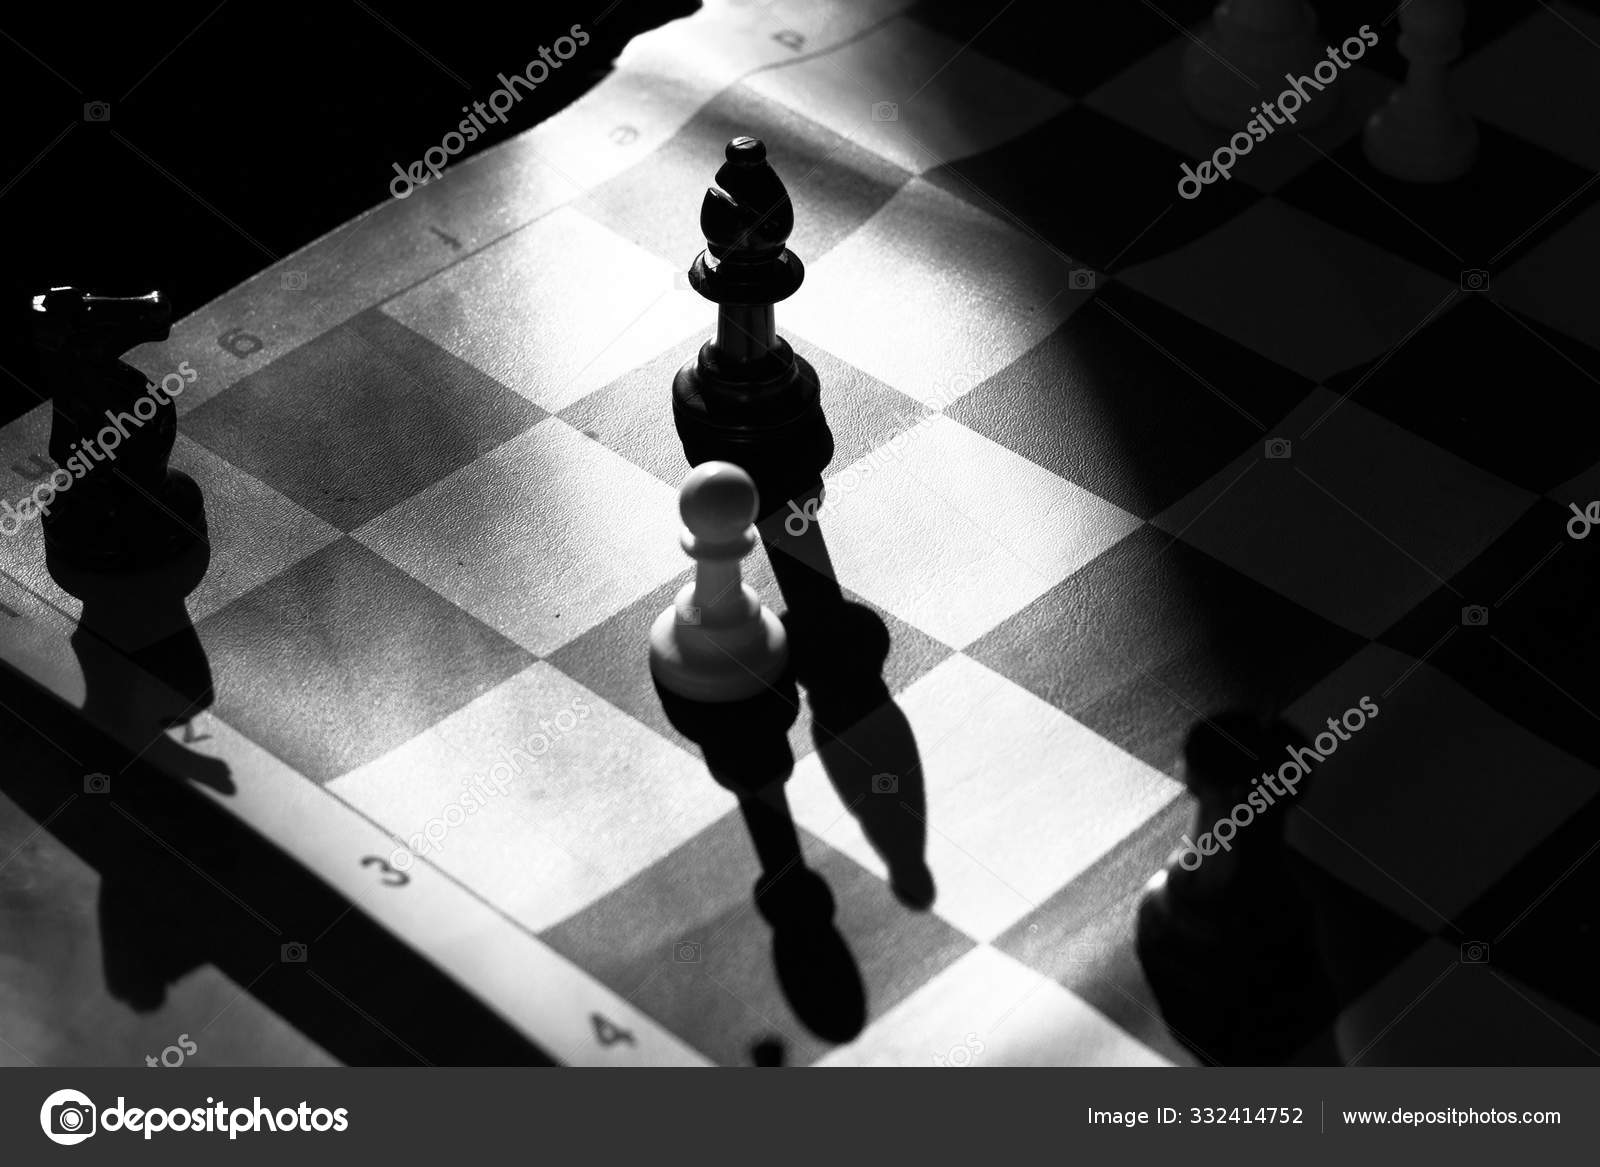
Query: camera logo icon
point(97, 111)
point(1475, 952)
point(1474, 615)
point(97, 783)
point(294, 281)
point(885, 784)
point(885, 111)
point(1083, 953)
point(67, 1117)
point(1081, 279)
point(1279, 448)
point(1474, 279)
point(293, 953)
point(686, 952)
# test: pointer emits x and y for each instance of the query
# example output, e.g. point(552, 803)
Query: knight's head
point(69, 319)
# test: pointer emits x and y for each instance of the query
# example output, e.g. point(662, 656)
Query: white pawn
point(718, 641)
point(1264, 40)
point(1420, 136)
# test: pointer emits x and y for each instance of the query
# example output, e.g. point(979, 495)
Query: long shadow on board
point(184, 884)
point(746, 749)
point(864, 741)
point(144, 668)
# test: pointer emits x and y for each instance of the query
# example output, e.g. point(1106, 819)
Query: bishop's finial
point(746, 218)
point(746, 398)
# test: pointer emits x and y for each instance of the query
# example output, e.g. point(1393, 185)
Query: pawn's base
point(1420, 144)
point(1235, 988)
point(700, 665)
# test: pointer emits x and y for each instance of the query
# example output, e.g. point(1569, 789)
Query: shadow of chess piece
point(745, 743)
point(768, 1052)
point(864, 740)
point(746, 397)
point(746, 749)
point(1226, 932)
point(816, 970)
point(142, 617)
point(144, 668)
point(147, 942)
point(115, 504)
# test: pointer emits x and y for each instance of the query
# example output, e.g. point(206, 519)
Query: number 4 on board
point(607, 1033)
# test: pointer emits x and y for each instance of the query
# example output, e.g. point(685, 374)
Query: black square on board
point(360, 419)
point(1101, 193)
point(1153, 635)
point(343, 657)
point(1133, 401)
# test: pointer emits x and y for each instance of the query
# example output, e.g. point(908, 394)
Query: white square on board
point(1019, 798)
point(912, 95)
point(933, 295)
point(988, 1010)
point(953, 532)
point(542, 538)
point(540, 310)
point(558, 796)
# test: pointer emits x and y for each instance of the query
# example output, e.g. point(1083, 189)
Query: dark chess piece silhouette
point(746, 749)
point(863, 739)
point(124, 532)
point(746, 397)
point(815, 967)
point(1226, 932)
point(116, 505)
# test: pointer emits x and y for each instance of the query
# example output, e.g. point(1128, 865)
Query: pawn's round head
point(718, 502)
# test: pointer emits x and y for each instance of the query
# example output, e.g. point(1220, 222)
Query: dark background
point(241, 131)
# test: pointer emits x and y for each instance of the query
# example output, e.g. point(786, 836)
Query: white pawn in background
point(718, 641)
point(1263, 39)
point(1420, 135)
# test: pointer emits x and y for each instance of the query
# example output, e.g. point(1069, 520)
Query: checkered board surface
point(442, 502)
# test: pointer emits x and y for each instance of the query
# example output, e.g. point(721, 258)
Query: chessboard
point(1109, 461)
